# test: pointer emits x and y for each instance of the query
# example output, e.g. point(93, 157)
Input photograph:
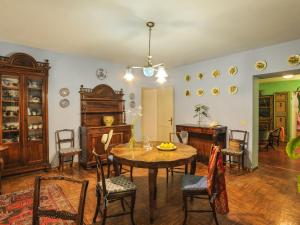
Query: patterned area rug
point(16, 208)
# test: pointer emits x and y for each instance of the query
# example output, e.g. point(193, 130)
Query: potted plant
point(201, 111)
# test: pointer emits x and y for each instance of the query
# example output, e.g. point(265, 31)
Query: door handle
point(171, 121)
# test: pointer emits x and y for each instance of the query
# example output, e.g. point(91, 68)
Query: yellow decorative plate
point(294, 60)
point(232, 70)
point(215, 91)
point(187, 93)
point(200, 76)
point(233, 89)
point(187, 77)
point(261, 65)
point(216, 73)
point(200, 92)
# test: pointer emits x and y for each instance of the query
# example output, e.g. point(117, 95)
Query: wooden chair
point(182, 137)
point(105, 140)
point(236, 148)
point(274, 138)
point(66, 136)
point(53, 213)
point(196, 187)
point(113, 189)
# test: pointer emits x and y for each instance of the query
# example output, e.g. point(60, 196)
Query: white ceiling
point(185, 32)
point(278, 78)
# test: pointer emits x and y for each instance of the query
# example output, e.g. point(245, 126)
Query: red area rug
point(16, 208)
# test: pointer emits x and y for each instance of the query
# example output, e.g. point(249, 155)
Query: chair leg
point(71, 165)
point(104, 212)
point(243, 161)
point(172, 171)
point(131, 171)
point(239, 163)
point(167, 174)
point(132, 208)
point(185, 208)
point(108, 169)
point(186, 168)
point(121, 169)
point(212, 205)
point(97, 206)
point(78, 161)
point(122, 204)
point(62, 163)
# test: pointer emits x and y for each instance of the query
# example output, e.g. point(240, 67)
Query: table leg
point(116, 167)
point(193, 166)
point(152, 192)
point(1, 168)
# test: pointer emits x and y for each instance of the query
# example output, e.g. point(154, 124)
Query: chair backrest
point(237, 139)
point(65, 136)
point(59, 214)
point(100, 170)
point(106, 138)
point(182, 137)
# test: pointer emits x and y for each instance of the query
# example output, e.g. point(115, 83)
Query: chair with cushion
point(42, 211)
point(66, 150)
point(197, 187)
point(236, 148)
point(105, 140)
point(113, 189)
point(181, 137)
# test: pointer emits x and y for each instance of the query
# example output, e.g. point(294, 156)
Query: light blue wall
point(236, 111)
point(71, 71)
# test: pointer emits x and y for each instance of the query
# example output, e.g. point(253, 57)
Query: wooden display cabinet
point(24, 119)
point(95, 104)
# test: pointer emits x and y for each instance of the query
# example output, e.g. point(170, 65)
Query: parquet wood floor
point(265, 196)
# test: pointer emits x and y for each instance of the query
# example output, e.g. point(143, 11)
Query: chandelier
point(158, 71)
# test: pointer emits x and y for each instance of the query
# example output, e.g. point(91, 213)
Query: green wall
point(282, 86)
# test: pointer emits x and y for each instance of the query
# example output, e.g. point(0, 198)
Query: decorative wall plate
point(132, 96)
point(200, 76)
point(232, 70)
point(233, 89)
point(215, 91)
point(187, 93)
point(187, 77)
point(64, 92)
point(200, 92)
point(101, 74)
point(64, 103)
point(261, 65)
point(294, 60)
point(216, 73)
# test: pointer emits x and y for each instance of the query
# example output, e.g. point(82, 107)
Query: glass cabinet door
point(35, 109)
point(10, 96)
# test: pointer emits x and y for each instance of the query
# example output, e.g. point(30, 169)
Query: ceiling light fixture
point(149, 70)
point(289, 76)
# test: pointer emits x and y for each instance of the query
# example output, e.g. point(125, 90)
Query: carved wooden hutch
point(95, 104)
point(24, 118)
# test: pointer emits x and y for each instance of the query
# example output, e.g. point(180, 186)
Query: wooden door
point(165, 112)
point(34, 125)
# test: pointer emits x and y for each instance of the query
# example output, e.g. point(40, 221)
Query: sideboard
point(202, 138)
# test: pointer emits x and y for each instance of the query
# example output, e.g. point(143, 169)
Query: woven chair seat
point(69, 150)
point(118, 184)
point(192, 182)
point(229, 151)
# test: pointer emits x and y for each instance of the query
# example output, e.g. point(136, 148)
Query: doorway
point(276, 117)
point(158, 111)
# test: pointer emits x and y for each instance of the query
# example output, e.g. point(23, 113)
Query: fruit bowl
point(166, 147)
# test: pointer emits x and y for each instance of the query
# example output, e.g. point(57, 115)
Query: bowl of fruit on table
point(166, 146)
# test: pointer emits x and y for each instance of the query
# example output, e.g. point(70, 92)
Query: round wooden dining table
point(153, 160)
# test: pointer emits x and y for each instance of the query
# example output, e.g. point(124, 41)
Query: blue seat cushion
point(111, 158)
point(192, 182)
